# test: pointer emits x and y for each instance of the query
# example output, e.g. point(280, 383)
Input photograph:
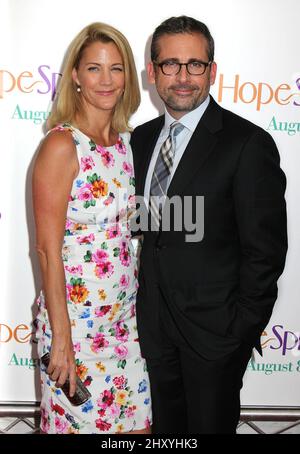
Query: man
point(203, 304)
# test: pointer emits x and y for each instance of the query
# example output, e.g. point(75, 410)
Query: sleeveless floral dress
point(101, 284)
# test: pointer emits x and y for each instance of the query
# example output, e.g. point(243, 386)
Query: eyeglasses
point(172, 68)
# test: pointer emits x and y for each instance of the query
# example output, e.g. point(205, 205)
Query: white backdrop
point(257, 51)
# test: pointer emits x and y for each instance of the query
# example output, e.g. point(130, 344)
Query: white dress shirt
point(190, 122)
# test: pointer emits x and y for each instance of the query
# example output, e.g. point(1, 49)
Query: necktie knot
point(176, 128)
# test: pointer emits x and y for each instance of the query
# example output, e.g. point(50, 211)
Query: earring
point(78, 89)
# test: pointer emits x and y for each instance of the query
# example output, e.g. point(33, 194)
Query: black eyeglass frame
point(161, 64)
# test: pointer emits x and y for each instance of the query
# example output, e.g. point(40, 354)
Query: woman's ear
point(75, 76)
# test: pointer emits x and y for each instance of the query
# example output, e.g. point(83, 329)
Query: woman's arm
point(55, 168)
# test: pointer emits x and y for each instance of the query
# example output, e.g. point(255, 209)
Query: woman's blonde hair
point(68, 102)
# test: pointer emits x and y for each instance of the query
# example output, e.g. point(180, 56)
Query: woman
point(83, 190)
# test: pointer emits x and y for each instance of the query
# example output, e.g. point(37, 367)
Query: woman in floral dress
point(83, 191)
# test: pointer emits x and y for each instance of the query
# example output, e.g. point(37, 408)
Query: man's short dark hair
point(182, 24)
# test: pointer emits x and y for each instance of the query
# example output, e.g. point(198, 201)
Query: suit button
point(159, 247)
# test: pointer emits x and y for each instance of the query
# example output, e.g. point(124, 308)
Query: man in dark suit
point(202, 305)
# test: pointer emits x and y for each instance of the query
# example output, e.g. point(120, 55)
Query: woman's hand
point(62, 363)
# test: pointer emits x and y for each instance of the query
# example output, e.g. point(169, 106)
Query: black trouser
point(191, 394)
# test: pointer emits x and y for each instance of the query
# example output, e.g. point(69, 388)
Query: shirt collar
point(189, 120)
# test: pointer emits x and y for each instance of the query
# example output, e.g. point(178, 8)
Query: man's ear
point(151, 73)
point(213, 72)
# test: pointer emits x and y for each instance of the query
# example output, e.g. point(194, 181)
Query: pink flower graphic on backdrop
point(124, 281)
point(127, 167)
point(99, 343)
point(85, 193)
point(87, 163)
point(100, 256)
point(121, 351)
point(113, 232)
point(104, 269)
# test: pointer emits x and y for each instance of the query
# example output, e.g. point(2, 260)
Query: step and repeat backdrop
point(257, 52)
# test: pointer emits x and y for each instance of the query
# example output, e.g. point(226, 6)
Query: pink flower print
point(99, 256)
point(104, 269)
point(69, 289)
point(123, 244)
point(86, 239)
point(132, 311)
point(77, 347)
point(107, 159)
point(45, 424)
point(121, 331)
point(100, 150)
point(102, 425)
point(147, 423)
point(60, 425)
point(113, 411)
point(125, 257)
point(113, 232)
point(99, 343)
point(120, 382)
point(69, 224)
point(130, 411)
point(127, 167)
point(131, 201)
point(109, 199)
point(74, 269)
point(121, 351)
point(124, 281)
point(120, 147)
point(85, 193)
point(101, 311)
point(87, 163)
point(106, 399)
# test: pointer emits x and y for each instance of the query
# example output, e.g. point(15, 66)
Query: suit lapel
point(199, 148)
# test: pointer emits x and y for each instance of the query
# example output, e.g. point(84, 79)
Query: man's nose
point(183, 74)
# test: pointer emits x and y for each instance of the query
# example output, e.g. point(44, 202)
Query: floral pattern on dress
point(101, 284)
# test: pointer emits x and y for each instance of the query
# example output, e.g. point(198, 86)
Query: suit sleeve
point(259, 187)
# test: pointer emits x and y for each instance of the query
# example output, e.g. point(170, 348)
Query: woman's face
point(100, 76)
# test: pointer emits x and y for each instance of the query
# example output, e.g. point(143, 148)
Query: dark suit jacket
point(220, 291)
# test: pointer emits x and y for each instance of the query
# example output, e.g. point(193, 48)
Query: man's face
point(183, 92)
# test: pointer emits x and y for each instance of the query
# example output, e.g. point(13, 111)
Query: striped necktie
point(162, 170)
